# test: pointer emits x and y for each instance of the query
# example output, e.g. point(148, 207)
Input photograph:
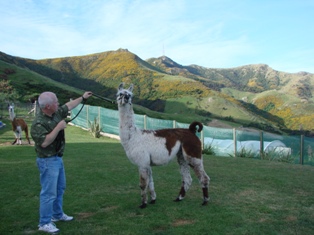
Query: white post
point(235, 142)
point(145, 124)
point(202, 138)
point(35, 107)
point(99, 117)
point(87, 120)
point(261, 148)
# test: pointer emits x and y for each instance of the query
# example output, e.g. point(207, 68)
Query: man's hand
point(61, 125)
point(87, 94)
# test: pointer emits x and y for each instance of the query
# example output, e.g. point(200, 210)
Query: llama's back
point(186, 137)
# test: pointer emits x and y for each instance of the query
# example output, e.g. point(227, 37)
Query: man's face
point(55, 104)
point(53, 107)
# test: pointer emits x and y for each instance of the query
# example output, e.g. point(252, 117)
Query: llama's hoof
point(204, 203)
point(177, 200)
point(144, 205)
point(153, 201)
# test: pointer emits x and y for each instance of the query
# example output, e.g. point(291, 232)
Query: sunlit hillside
point(250, 95)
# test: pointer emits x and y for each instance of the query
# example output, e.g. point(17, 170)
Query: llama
point(18, 125)
point(147, 148)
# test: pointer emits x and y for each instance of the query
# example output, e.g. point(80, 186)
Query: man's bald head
point(46, 98)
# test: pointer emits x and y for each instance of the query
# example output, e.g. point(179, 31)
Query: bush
point(95, 128)
point(278, 156)
point(209, 150)
point(244, 153)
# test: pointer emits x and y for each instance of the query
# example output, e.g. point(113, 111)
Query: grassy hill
point(23, 85)
point(282, 98)
point(251, 95)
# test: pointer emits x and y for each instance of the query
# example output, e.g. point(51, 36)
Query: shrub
point(209, 150)
point(279, 156)
point(244, 153)
point(95, 128)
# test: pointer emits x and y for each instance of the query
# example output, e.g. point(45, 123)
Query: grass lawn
point(247, 196)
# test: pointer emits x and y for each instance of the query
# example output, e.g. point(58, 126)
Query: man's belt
point(57, 155)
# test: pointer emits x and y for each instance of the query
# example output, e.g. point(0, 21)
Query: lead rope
point(60, 137)
point(84, 100)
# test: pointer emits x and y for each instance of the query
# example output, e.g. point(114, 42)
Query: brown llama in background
point(18, 125)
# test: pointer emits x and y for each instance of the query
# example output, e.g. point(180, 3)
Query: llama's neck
point(12, 115)
point(127, 120)
point(14, 122)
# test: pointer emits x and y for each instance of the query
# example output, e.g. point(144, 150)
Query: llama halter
point(124, 96)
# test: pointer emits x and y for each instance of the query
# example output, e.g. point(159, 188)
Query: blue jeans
point(53, 183)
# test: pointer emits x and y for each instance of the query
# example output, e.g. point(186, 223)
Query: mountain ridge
point(158, 80)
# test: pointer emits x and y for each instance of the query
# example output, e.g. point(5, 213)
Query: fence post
point(35, 108)
point(87, 116)
point(70, 111)
point(301, 149)
point(145, 120)
point(99, 120)
point(261, 147)
point(202, 139)
point(174, 124)
point(235, 142)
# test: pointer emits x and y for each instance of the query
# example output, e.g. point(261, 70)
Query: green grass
point(247, 196)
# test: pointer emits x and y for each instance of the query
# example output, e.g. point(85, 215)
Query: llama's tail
point(193, 125)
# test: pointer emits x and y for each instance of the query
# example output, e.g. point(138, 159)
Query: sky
point(208, 33)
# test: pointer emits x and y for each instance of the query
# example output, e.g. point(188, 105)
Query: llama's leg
point(28, 140)
point(26, 134)
point(17, 137)
point(144, 181)
point(197, 165)
point(186, 177)
point(14, 141)
point(151, 186)
point(18, 134)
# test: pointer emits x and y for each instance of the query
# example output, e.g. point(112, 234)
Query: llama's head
point(124, 96)
point(11, 108)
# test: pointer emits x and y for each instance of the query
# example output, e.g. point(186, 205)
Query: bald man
point(48, 134)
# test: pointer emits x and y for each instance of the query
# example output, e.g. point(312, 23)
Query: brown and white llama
point(18, 125)
point(147, 148)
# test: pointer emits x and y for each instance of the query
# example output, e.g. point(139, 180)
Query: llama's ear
point(131, 88)
point(121, 86)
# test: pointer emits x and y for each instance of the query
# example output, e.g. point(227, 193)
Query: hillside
point(287, 97)
point(23, 85)
point(251, 95)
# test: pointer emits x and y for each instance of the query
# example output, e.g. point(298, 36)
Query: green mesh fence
point(155, 124)
point(109, 121)
point(225, 142)
point(82, 119)
point(308, 151)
